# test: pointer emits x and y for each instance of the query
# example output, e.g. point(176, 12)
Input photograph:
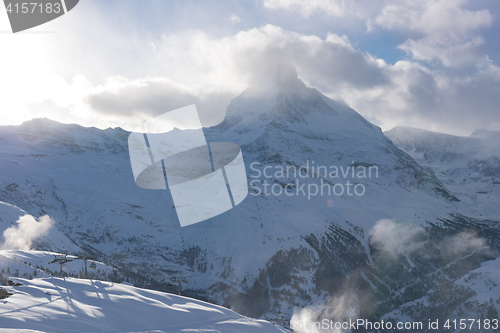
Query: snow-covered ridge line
point(39, 264)
point(468, 166)
point(69, 304)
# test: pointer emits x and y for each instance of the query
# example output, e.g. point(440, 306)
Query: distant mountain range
point(468, 166)
point(427, 216)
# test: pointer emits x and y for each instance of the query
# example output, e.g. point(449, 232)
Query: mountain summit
point(286, 99)
point(290, 124)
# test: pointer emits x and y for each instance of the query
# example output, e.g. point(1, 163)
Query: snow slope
point(475, 296)
point(74, 305)
point(484, 281)
point(54, 240)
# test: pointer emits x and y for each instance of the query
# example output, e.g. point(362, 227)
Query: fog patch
point(322, 317)
point(20, 236)
point(463, 243)
point(395, 238)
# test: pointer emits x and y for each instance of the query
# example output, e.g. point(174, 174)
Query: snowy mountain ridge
point(445, 147)
point(76, 305)
point(468, 166)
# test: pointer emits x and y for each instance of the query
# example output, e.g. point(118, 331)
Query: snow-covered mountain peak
point(41, 123)
point(273, 77)
point(286, 73)
point(258, 105)
point(285, 103)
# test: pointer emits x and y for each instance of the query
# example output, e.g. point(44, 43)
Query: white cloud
point(341, 308)
point(404, 93)
point(433, 16)
point(447, 31)
point(450, 49)
point(234, 18)
point(437, 30)
point(394, 238)
point(464, 243)
point(130, 102)
point(21, 235)
point(210, 71)
point(309, 7)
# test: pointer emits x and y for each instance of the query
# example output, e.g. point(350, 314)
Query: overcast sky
point(432, 64)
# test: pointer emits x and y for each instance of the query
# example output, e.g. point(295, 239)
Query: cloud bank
point(446, 82)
